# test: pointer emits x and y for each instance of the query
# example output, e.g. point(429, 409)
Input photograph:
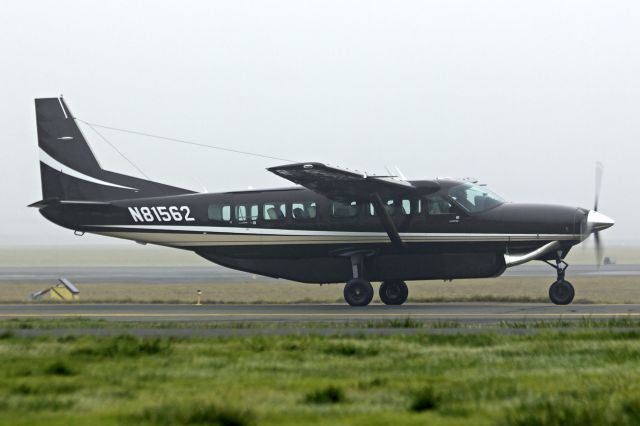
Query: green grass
point(588, 376)
point(425, 399)
point(584, 322)
point(193, 413)
point(329, 395)
point(59, 368)
point(566, 410)
point(9, 327)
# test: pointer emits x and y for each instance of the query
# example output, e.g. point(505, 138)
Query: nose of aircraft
point(596, 221)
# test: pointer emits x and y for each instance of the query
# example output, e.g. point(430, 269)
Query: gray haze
point(525, 96)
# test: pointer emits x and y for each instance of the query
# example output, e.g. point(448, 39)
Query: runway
point(295, 313)
point(214, 273)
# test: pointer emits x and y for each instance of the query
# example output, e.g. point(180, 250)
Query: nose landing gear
point(561, 292)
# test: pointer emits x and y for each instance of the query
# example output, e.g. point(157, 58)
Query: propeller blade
point(595, 221)
point(599, 248)
point(599, 171)
point(585, 230)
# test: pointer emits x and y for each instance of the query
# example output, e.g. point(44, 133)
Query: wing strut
point(386, 220)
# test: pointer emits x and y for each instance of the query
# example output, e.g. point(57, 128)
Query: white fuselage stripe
point(56, 165)
point(214, 236)
point(308, 233)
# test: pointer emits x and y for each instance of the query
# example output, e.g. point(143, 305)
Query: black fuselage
point(309, 237)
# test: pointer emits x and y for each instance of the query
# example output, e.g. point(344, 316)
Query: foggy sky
point(525, 96)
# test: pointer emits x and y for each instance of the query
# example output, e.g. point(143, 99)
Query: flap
point(342, 184)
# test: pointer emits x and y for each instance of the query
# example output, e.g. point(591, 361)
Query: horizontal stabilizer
point(56, 201)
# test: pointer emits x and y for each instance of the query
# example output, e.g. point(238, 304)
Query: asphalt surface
point(464, 312)
point(215, 273)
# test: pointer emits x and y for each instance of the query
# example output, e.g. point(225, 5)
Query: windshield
point(474, 198)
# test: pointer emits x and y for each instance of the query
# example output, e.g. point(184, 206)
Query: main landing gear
point(561, 292)
point(393, 292)
point(359, 292)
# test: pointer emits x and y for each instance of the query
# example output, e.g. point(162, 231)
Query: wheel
point(561, 292)
point(394, 292)
point(358, 292)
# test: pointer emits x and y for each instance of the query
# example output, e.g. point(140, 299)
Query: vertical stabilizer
point(70, 171)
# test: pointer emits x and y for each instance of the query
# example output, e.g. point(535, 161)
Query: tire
point(561, 292)
point(358, 292)
point(393, 292)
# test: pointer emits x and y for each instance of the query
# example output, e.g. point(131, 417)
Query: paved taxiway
point(214, 273)
point(465, 312)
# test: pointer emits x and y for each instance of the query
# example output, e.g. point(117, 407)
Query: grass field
point(589, 376)
point(559, 373)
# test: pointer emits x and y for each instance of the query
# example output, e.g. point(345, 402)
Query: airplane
point(336, 226)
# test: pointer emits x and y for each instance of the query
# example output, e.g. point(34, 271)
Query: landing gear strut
point(561, 292)
point(358, 291)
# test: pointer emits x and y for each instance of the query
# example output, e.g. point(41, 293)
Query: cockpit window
point(437, 205)
point(474, 198)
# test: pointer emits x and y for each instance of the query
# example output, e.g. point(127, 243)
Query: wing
point(342, 184)
point(348, 185)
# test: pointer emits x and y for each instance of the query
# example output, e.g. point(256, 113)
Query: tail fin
point(70, 171)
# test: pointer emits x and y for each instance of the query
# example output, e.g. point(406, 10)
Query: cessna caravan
point(335, 226)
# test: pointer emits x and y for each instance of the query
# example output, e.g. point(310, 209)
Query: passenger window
point(303, 210)
point(219, 213)
point(339, 209)
point(241, 213)
point(436, 205)
point(389, 206)
point(247, 214)
point(406, 207)
point(274, 211)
